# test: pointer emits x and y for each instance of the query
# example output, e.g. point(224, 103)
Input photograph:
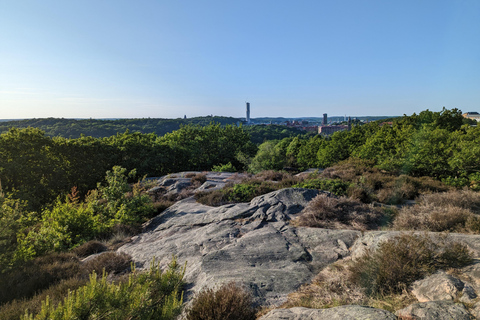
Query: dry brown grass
point(229, 302)
point(198, 179)
point(110, 262)
point(429, 217)
point(455, 211)
point(34, 276)
point(399, 261)
point(332, 287)
point(466, 199)
point(340, 213)
point(89, 248)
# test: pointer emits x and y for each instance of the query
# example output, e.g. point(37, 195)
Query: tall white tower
point(248, 113)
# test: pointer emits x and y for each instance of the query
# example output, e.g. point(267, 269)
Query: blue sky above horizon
point(166, 59)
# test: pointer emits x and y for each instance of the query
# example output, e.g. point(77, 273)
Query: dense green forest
point(58, 193)
point(73, 128)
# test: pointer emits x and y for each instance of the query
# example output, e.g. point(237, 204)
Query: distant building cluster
point(330, 129)
point(324, 128)
point(472, 115)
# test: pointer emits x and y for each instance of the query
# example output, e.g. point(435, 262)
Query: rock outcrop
point(251, 243)
point(255, 244)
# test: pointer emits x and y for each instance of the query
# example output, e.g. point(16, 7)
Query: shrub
point(15, 309)
point(151, 295)
point(465, 199)
point(335, 186)
point(400, 261)
point(429, 217)
point(448, 211)
point(89, 248)
point(229, 302)
point(32, 277)
point(110, 262)
point(224, 168)
point(329, 212)
point(211, 198)
point(198, 179)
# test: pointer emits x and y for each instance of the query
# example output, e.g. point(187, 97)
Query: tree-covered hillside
point(73, 128)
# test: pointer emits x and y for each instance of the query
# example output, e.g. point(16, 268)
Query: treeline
point(442, 145)
point(37, 168)
point(73, 128)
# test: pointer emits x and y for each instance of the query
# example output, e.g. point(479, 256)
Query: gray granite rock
point(252, 243)
point(435, 310)
point(442, 286)
point(351, 312)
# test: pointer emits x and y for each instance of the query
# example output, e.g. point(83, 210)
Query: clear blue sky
point(166, 59)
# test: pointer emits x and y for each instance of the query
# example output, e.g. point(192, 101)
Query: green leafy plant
point(224, 168)
point(151, 295)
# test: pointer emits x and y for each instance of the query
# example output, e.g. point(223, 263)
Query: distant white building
point(472, 115)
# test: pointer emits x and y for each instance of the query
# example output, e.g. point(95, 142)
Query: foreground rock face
point(254, 244)
point(337, 313)
point(251, 243)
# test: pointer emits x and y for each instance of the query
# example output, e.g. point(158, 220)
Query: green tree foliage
point(73, 128)
point(72, 222)
point(151, 295)
point(29, 167)
point(262, 133)
point(200, 148)
point(270, 156)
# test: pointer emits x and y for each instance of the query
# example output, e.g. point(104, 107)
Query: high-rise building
point(248, 113)
point(324, 119)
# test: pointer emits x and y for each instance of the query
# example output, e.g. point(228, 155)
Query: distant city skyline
point(167, 59)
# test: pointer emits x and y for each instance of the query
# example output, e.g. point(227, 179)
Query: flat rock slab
point(252, 243)
point(435, 310)
point(350, 312)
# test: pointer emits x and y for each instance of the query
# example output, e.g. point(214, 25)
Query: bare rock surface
point(442, 286)
point(251, 243)
point(350, 312)
point(435, 310)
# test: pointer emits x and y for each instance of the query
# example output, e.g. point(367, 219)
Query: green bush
point(229, 302)
point(151, 295)
point(400, 261)
point(70, 223)
point(335, 186)
point(224, 168)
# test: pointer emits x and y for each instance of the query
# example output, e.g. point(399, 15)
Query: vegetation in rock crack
point(400, 261)
point(229, 302)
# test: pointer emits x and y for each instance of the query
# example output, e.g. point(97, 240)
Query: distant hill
point(74, 128)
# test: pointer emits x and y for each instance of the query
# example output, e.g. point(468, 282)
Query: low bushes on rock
point(400, 261)
point(339, 213)
point(455, 211)
point(229, 302)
